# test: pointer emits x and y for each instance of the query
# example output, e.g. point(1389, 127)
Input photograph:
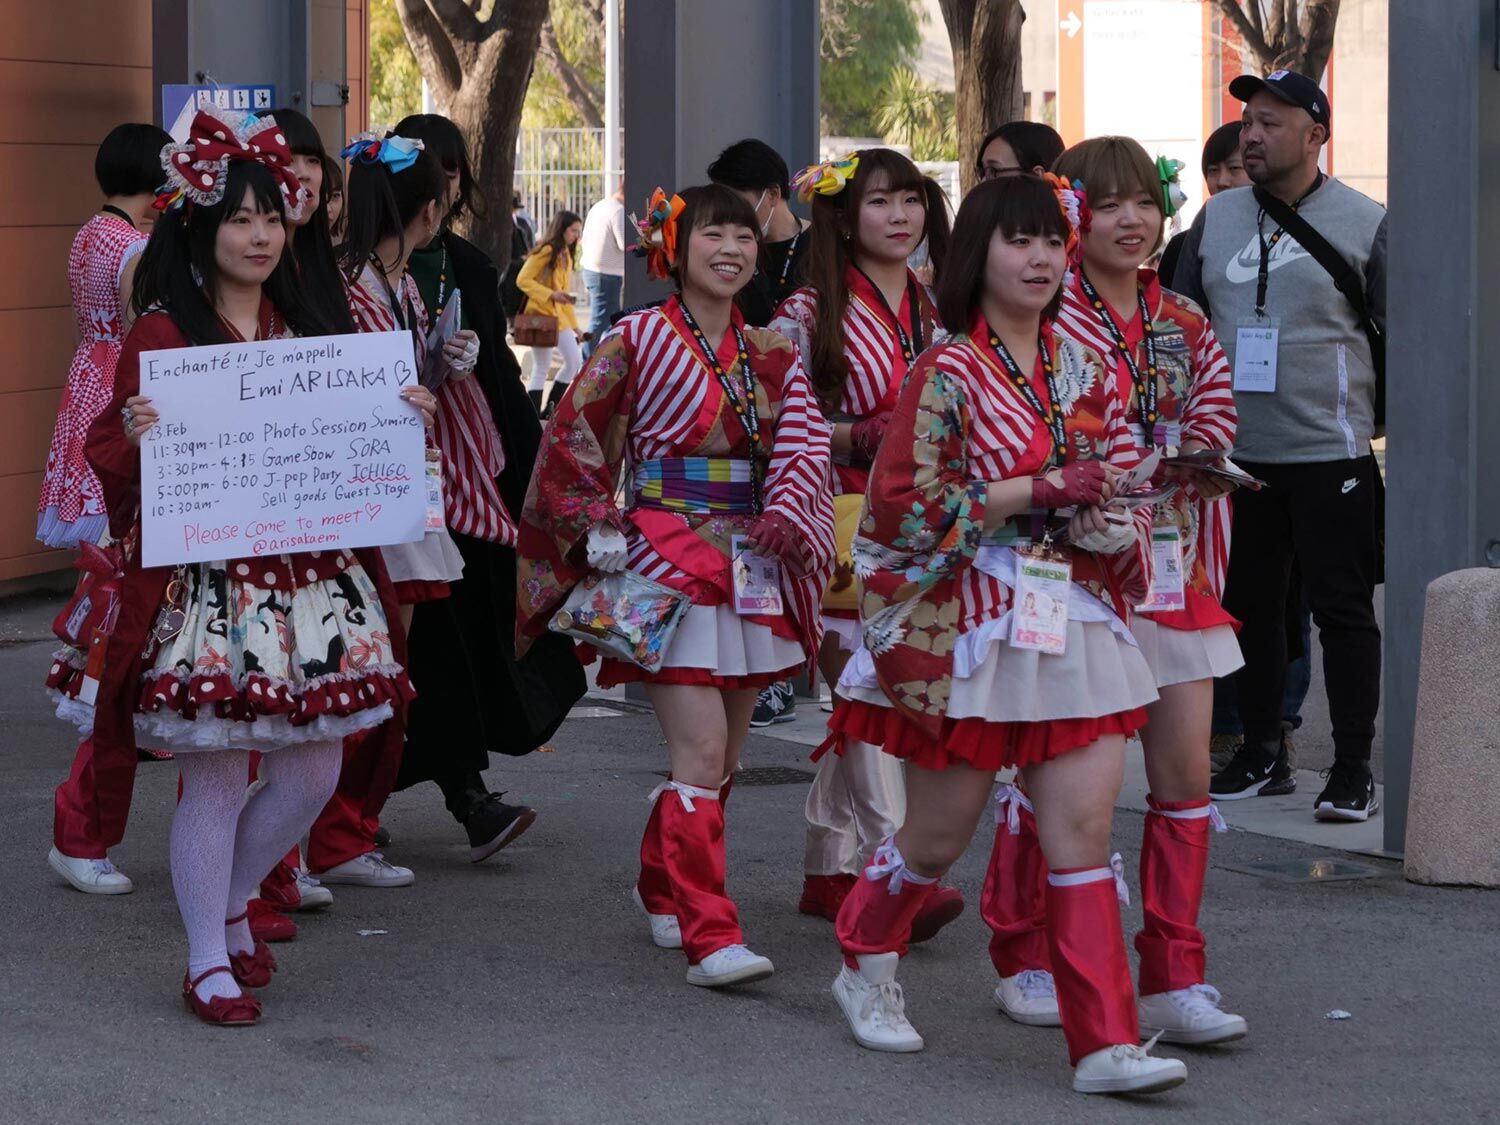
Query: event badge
point(1040, 616)
point(434, 479)
point(1167, 587)
point(757, 580)
point(1255, 354)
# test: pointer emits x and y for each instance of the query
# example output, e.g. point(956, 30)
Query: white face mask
point(765, 226)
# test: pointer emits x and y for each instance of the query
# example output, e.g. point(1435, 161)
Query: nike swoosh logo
point(1244, 267)
point(1350, 484)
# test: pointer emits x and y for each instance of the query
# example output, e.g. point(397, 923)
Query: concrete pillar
point(701, 74)
point(1443, 502)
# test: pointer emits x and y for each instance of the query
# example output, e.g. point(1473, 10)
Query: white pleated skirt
point(1181, 656)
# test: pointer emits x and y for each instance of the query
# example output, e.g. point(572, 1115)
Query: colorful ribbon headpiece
point(1172, 195)
point(1073, 201)
point(198, 169)
point(827, 178)
point(658, 231)
point(396, 153)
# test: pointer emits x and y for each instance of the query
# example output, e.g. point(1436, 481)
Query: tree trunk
point(478, 72)
point(1299, 35)
point(986, 39)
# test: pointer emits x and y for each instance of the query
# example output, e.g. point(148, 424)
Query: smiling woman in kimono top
point(993, 433)
point(859, 324)
point(664, 394)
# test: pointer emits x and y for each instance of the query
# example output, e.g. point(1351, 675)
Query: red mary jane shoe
point(822, 895)
point(253, 969)
point(269, 924)
point(222, 1011)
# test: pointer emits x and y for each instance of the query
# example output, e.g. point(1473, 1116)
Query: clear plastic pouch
point(623, 615)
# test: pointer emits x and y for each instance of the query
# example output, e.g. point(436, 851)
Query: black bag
point(1346, 280)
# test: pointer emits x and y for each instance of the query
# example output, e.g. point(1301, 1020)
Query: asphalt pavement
point(526, 989)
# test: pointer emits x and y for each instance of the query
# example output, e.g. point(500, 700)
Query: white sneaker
point(1029, 997)
point(1191, 1015)
point(874, 1005)
point(1127, 1069)
point(369, 870)
point(315, 896)
point(91, 876)
point(734, 964)
point(665, 931)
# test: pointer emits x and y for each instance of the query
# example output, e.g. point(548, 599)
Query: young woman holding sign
point(860, 323)
point(728, 453)
point(1173, 382)
point(211, 660)
point(993, 434)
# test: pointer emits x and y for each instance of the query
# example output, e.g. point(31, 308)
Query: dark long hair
point(446, 142)
point(706, 206)
point(555, 241)
point(1020, 204)
point(311, 244)
point(835, 221)
point(380, 204)
point(179, 273)
point(1035, 145)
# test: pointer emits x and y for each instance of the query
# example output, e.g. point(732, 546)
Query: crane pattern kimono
point(960, 424)
point(646, 394)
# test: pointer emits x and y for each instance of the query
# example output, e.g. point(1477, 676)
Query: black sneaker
point(775, 704)
point(493, 824)
point(1348, 792)
point(382, 837)
point(1256, 770)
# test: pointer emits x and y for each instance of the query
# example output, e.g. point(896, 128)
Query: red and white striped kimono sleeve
point(794, 319)
point(1209, 416)
point(1131, 570)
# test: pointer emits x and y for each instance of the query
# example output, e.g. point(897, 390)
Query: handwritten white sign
point(280, 446)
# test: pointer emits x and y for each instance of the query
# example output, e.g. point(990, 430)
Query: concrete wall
point(1360, 71)
point(69, 73)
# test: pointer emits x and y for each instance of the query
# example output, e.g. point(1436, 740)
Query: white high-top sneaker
point(1191, 1015)
point(1029, 997)
point(665, 931)
point(734, 964)
point(874, 1005)
point(1127, 1069)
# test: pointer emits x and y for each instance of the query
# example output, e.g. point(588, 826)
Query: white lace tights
point(223, 845)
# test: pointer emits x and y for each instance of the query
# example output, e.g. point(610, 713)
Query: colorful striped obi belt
point(695, 484)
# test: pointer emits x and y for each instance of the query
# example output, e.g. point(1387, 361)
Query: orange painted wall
point(68, 74)
point(356, 68)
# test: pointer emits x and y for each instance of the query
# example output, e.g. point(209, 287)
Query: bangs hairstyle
point(1113, 166)
point(179, 270)
point(710, 205)
point(129, 160)
point(835, 219)
point(445, 141)
point(1222, 143)
point(1023, 204)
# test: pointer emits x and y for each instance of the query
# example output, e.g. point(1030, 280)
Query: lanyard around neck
point(1048, 412)
point(1145, 382)
point(1263, 273)
point(741, 398)
point(911, 346)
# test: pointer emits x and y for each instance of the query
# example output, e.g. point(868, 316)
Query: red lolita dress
point(247, 654)
point(937, 681)
point(421, 570)
point(649, 401)
point(71, 508)
point(879, 348)
point(1193, 401)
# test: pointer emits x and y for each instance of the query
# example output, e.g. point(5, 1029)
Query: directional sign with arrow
point(1072, 24)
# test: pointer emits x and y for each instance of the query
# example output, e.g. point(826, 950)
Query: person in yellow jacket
point(547, 281)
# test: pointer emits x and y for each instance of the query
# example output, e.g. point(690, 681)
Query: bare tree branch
point(585, 97)
point(458, 19)
point(436, 57)
point(1255, 41)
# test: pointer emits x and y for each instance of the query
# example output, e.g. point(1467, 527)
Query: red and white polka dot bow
point(198, 169)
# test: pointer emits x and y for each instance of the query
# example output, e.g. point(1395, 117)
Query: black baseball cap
point(1293, 88)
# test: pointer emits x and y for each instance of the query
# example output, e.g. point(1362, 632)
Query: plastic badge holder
point(623, 615)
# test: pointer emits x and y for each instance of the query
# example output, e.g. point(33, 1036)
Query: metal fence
point(560, 170)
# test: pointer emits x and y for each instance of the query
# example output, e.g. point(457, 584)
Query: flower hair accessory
point(658, 231)
point(198, 169)
point(396, 153)
point(1172, 196)
point(1073, 201)
point(827, 178)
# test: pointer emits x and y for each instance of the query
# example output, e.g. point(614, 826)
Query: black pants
point(1327, 515)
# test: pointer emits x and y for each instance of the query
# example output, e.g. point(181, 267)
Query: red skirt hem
point(614, 672)
point(420, 590)
point(979, 743)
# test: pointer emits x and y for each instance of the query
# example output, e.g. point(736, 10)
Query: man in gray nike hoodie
point(1305, 423)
